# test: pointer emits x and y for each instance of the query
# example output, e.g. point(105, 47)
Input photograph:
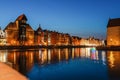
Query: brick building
point(19, 32)
point(113, 32)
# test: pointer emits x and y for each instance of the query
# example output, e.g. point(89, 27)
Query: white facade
point(2, 37)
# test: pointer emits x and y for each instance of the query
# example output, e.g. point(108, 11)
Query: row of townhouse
point(46, 37)
point(20, 32)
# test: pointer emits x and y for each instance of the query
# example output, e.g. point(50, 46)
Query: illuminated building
point(45, 33)
point(91, 41)
point(94, 42)
point(39, 36)
point(113, 32)
point(76, 40)
point(19, 32)
point(54, 38)
point(64, 39)
point(2, 37)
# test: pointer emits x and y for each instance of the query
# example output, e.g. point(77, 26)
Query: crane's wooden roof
point(21, 17)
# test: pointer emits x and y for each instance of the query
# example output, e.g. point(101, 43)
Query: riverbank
point(7, 73)
point(40, 46)
point(113, 48)
point(57, 46)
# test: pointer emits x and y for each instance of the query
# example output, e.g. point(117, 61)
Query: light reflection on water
point(113, 61)
point(64, 63)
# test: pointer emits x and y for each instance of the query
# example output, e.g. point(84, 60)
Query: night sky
point(81, 18)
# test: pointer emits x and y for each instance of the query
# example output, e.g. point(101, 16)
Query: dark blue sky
point(77, 17)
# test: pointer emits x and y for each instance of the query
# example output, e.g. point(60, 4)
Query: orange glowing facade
point(39, 36)
point(76, 40)
point(20, 32)
point(113, 32)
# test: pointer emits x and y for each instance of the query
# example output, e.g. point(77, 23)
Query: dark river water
point(64, 64)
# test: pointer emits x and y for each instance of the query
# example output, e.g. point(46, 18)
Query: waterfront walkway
point(113, 48)
point(7, 73)
point(9, 47)
point(24, 47)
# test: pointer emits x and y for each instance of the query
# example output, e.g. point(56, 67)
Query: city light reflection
point(104, 57)
point(59, 54)
point(3, 56)
point(49, 55)
point(24, 60)
point(111, 59)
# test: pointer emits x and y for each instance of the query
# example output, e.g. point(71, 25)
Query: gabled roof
point(39, 29)
point(21, 17)
point(11, 25)
point(29, 28)
point(113, 22)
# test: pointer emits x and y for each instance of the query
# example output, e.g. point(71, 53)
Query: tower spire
point(40, 25)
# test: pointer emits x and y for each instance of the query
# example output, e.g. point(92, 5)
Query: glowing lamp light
point(110, 39)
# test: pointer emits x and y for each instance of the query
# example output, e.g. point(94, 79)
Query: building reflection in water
point(43, 56)
point(87, 52)
point(90, 53)
point(113, 60)
point(103, 57)
point(23, 61)
point(3, 55)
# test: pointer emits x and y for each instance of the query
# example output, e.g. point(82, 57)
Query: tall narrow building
point(38, 36)
point(113, 32)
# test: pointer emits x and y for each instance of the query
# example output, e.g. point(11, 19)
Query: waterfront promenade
point(41, 46)
point(7, 73)
point(57, 46)
point(114, 48)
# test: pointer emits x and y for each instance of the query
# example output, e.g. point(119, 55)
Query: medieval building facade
point(113, 32)
point(2, 37)
point(20, 32)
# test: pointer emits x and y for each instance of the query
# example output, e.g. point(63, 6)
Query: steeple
point(39, 28)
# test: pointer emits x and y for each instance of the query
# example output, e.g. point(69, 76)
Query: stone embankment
point(41, 46)
point(7, 73)
point(113, 48)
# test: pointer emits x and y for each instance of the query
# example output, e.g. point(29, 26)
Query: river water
point(64, 63)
